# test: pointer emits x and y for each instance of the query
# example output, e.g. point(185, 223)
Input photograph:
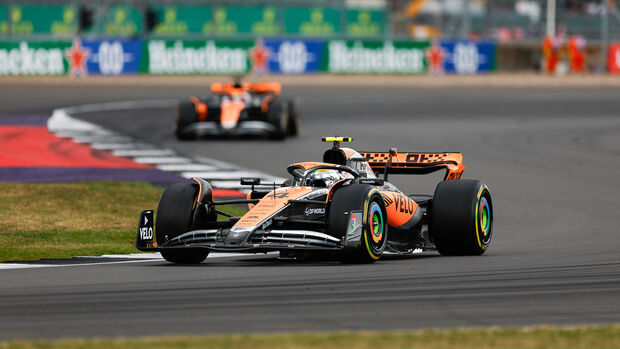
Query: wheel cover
point(483, 220)
point(374, 232)
point(376, 223)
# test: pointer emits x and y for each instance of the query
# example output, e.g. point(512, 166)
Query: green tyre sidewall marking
point(483, 240)
point(367, 221)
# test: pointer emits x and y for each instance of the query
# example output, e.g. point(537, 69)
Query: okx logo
point(468, 57)
point(294, 56)
point(113, 57)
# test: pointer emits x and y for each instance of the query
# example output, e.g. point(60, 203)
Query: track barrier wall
point(117, 56)
point(86, 56)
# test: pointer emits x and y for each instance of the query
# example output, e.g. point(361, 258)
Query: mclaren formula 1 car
point(336, 207)
point(238, 109)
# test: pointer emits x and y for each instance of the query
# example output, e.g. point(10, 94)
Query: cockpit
point(351, 158)
point(326, 177)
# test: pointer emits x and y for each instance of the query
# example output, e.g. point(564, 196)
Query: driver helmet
point(236, 96)
point(329, 177)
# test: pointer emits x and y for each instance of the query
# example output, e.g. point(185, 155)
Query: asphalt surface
point(550, 157)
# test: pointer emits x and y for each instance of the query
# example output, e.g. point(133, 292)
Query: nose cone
point(237, 237)
point(231, 110)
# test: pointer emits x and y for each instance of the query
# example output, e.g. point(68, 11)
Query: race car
point(337, 207)
point(238, 109)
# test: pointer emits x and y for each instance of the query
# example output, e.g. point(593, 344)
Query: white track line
point(143, 152)
point(134, 258)
point(12, 266)
point(120, 146)
point(229, 185)
point(186, 167)
point(155, 160)
point(222, 175)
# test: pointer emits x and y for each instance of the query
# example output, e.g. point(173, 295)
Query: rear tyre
point(369, 202)
point(293, 118)
point(174, 217)
point(461, 221)
point(185, 116)
point(278, 118)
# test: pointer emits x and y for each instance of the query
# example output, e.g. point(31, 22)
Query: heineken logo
point(26, 60)
point(207, 59)
point(383, 59)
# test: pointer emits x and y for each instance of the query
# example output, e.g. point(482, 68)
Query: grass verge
point(586, 337)
point(60, 220)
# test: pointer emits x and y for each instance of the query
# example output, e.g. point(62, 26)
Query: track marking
point(185, 167)
point(220, 174)
point(155, 160)
point(228, 185)
point(133, 258)
point(143, 152)
point(11, 266)
point(117, 146)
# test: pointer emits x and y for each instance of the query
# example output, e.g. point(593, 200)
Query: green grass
point(599, 337)
point(60, 220)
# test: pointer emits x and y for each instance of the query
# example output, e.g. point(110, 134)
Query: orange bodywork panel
point(249, 197)
point(231, 110)
point(416, 163)
point(264, 106)
point(264, 87)
point(400, 208)
point(414, 8)
point(270, 204)
point(201, 108)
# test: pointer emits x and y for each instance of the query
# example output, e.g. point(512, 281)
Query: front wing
point(243, 128)
point(261, 240)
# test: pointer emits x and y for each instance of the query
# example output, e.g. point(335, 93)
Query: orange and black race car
point(238, 109)
point(337, 207)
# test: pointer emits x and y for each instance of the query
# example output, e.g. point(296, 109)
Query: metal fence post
point(466, 20)
point(551, 13)
point(604, 34)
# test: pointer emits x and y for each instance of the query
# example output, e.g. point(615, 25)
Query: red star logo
point(77, 57)
point(259, 55)
point(436, 56)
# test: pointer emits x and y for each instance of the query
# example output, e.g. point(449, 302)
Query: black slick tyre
point(174, 217)
point(461, 221)
point(278, 118)
point(368, 201)
point(185, 116)
point(293, 118)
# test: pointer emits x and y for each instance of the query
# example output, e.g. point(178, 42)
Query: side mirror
point(371, 181)
point(249, 181)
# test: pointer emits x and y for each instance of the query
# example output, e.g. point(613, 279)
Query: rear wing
point(258, 87)
point(393, 162)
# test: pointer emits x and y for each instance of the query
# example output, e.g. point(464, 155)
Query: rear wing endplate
point(394, 162)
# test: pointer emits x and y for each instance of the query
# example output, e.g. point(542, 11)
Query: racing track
point(550, 156)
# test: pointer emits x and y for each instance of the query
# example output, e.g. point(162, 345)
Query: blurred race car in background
point(238, 109)
point(337, 207)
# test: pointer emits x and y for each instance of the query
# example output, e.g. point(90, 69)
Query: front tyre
point(174, 217)
point(461, 221)
point(185, 116)
point(373, 239)
point(277, 116)
point(293, 118)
